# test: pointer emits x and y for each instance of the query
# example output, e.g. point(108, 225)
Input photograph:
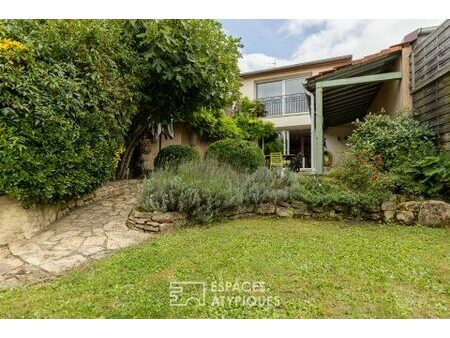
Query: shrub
point(266, 185)
point(324, 191)
point(428, 176)
point(216, 125)
point(394, 154)
point(202, 190)
point(357, 172)
point(395, 139)
point(172, 156)
point(275, 146)
point(66, 99)
point(242, 155)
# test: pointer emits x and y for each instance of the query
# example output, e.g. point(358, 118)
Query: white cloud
point(254, 61)
point(337, 37)
point(298, 27)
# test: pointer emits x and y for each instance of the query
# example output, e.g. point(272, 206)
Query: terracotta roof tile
point(365, 59)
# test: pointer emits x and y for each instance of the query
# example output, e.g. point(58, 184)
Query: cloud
point(254, 61)
point(299, 27)
point(328, 38)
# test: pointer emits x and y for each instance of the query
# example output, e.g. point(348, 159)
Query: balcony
point(285, 104)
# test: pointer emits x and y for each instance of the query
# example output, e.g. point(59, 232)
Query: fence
point(430, 81)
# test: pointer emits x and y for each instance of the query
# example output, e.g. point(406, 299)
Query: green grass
point(316, 269)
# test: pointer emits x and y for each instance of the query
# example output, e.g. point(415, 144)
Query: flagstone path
point(86, 233)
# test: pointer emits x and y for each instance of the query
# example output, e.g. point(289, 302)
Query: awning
point(345, 103)
point(346, 92)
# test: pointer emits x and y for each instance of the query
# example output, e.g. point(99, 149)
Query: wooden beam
point(340, 92)
point(360, 79)
point(318, 131)
point(342, 101)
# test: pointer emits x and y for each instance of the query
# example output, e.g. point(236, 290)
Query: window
point(283, 96)
point(294, 86)
point(269, 89)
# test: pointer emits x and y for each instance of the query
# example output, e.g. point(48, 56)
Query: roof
point(296, 66)
point(333, 74)
point(344, 104)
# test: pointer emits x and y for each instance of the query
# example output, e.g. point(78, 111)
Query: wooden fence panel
point(430, 81)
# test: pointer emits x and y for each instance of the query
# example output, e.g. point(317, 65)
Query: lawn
point(298, 269)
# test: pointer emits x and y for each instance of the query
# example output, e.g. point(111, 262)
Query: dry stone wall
point(17, 223)
point(429, 213)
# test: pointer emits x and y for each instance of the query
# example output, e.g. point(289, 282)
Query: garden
point(316, 269)
point(388, 159)
point(76, 99)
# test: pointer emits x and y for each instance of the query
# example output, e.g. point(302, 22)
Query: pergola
point(346, 93)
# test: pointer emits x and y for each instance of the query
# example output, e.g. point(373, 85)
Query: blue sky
point(262, 36)
point(290, 41)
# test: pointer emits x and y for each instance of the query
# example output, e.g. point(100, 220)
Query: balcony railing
point(285, 104)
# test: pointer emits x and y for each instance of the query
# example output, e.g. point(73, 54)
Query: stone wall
point(18, 223)
point(430, 213)
point(155, 221)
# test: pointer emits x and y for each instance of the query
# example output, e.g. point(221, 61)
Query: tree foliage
point(76, 94)
point(243, 122)
point(66, 99)
point(189, 65)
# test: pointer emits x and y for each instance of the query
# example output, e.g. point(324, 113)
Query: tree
point(188, 65)
point(76, 96)
point(68, 91)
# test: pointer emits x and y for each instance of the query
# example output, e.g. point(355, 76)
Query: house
point(282, 92)
point(313, 104)
point(411, 77)
point(318, 122)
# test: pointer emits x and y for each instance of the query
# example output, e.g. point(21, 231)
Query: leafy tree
point(67, 95)
point(188, 65)
point(76, 96)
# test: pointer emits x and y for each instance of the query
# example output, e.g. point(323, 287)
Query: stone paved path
point(87, 233)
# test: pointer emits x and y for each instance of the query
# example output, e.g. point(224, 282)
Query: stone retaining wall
point(155, 221)
point(430, 213)
point(17, 223)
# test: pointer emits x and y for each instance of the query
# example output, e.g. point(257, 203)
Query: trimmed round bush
point(172, 156)
point(242, 155)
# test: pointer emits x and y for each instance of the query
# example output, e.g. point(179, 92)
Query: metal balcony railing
point(285, 104)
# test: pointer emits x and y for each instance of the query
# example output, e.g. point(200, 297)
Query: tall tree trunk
point(138, 129)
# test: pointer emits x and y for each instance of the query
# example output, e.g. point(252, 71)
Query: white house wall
point(294, 121)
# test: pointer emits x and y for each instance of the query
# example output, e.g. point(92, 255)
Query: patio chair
point(276, 160)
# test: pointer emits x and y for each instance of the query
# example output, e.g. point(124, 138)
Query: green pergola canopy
point(345, 103)
point(346, 94)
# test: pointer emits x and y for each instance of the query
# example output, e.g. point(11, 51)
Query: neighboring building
point(282, 92)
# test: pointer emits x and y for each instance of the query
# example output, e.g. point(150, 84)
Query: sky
point(269, 43)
